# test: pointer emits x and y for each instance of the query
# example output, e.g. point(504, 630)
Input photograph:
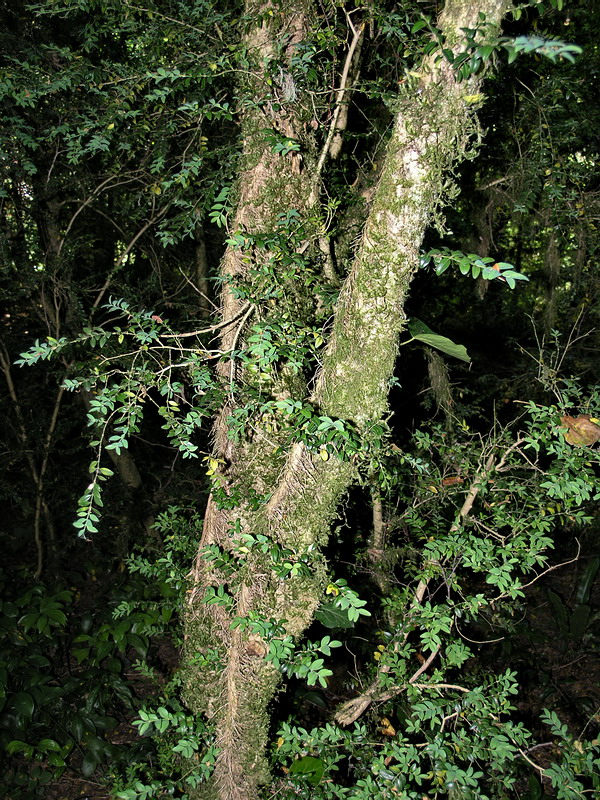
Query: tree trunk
point(289, 494)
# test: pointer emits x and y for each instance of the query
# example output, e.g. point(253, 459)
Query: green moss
point(432, 131)
point(258, 691)
point(199, 682)
point(205, 791)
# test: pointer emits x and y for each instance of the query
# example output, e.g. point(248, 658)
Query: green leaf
point(587, 581)
point(77, 728)
point(579, 622)
point(24, 705)
point(535, 788)
point(113, 665)
point(445, 345)
point(419, 331)
point(88, 765)
point(310, 767)
point(48, 745)
point(332, 617)
point(17, 746)
point(315, 698)
point(560, 612)
point(417, 327)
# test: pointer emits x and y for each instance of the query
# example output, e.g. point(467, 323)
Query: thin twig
point(176, 21)
point(476, 641)
point(94, 194)
point(515, 446)
point(233, 346)
point(425, 665)
point(546, 571)
point(454, 687)
point(125, 253)
point(41, 505)
point(352, 710)
point(524, 755)
point(341, 93)
point(210, 328)
point(202, 295)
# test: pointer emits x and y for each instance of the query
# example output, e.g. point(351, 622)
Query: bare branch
point(125, 253)
point(41, 505)
point(341, 94)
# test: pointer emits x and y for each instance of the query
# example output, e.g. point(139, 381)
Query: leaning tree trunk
point(288, 493)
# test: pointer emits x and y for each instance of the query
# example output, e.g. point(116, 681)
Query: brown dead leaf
point(256, 647)
point(582, 431)
point(453, 480)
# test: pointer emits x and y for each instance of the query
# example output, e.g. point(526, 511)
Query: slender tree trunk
point(201, 270)
point(291, 495)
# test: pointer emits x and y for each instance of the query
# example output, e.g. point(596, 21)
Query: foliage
point(126, 136)
point(452, 733)
point(66, 677)
point(472, 264)
point(61, 686)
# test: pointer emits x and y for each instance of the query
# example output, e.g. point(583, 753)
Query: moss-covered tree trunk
point(267, 484)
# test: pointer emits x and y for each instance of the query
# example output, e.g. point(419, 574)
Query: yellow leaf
point(324, 454)
point(213, 464)
point(473, 98)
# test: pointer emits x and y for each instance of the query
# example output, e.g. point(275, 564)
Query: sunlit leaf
point(419, 331)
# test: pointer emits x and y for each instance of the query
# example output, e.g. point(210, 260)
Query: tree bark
point(299, 492)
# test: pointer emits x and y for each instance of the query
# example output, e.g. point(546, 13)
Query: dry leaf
point(256, 647)
point(582, 431)
point(452, 481)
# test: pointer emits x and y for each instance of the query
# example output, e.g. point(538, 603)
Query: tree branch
point(339, 105)
point(353, 709)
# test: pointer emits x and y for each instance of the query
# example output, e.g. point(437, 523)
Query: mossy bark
point(303, 491)
point(235, 690)
point(431, 132)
